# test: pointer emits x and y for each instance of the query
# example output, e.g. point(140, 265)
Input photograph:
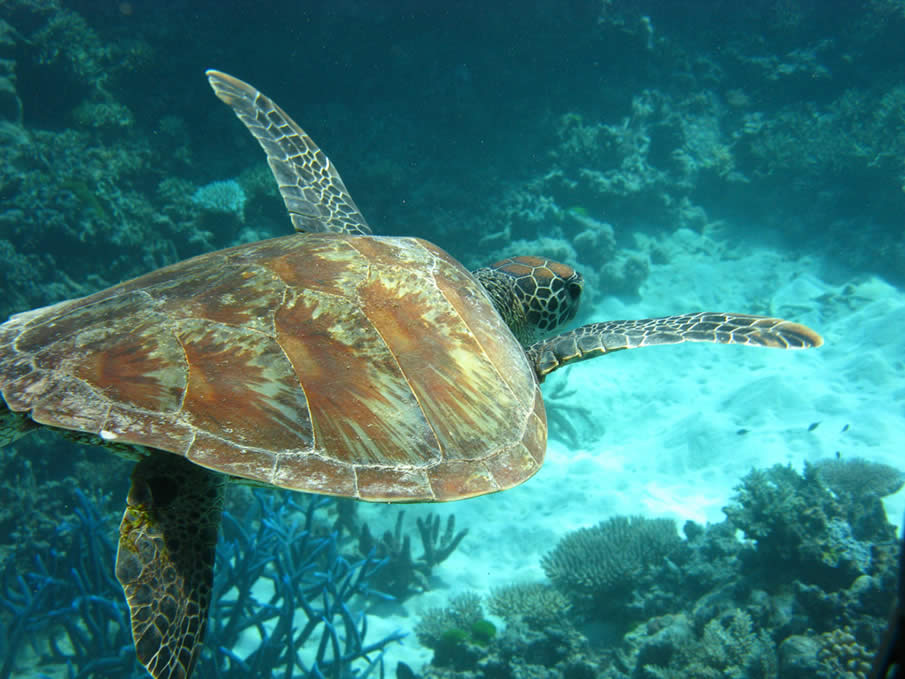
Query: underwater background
point(703, 511)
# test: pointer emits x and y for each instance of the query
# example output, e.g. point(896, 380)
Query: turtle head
point(534, 295)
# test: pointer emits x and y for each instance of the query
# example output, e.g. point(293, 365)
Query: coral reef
point(710, 118)
point(458, 634)
point(842, 657)
point(537, 604)
point(727, 647)
point(225, 196)
point(463, 611)
point(598, 567)
point(829, 535)
point(276, 561)
point(405, 574)
point(803, 596)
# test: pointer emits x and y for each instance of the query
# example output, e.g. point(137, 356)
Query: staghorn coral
point(307, 616)
point(405, 575)
point(591, 565)
point(67, 604)
point(315, 594)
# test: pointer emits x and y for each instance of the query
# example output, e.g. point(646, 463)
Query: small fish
point(742, 432)
point(845, 428)
point(813, 426)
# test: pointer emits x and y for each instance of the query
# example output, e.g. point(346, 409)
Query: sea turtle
point(330, 361)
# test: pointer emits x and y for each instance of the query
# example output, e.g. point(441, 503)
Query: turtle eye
point(569, 298)
point(575, 287)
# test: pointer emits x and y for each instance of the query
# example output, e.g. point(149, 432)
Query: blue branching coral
point(304, 571)
point(67, 607)
point(69, 611)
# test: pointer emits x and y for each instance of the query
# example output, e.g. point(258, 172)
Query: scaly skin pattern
point(534, 295)
point(598, 339)
point(315, 195)
point(165, 560)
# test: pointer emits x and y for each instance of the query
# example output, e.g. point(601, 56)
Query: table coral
point(591, 565)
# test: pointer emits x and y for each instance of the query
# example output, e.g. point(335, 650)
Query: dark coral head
point(548, 291)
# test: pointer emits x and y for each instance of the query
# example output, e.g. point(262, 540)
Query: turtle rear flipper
point(165, 560)
point(597, 339)
point(13, 425)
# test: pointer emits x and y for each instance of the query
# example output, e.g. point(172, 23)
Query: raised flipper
point(314, 193)
point(165, 560)
point(597, 339)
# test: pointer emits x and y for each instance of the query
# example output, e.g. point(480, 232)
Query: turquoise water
point(682, 158)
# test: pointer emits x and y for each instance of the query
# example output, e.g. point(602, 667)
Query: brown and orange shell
point(361, 366)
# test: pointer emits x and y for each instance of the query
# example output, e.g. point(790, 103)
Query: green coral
point(462, 613)
point(458, 634)
point(482, 632)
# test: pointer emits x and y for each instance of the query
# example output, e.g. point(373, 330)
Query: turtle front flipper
point(597, 339)
point(165, 560)
point(314, 193)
